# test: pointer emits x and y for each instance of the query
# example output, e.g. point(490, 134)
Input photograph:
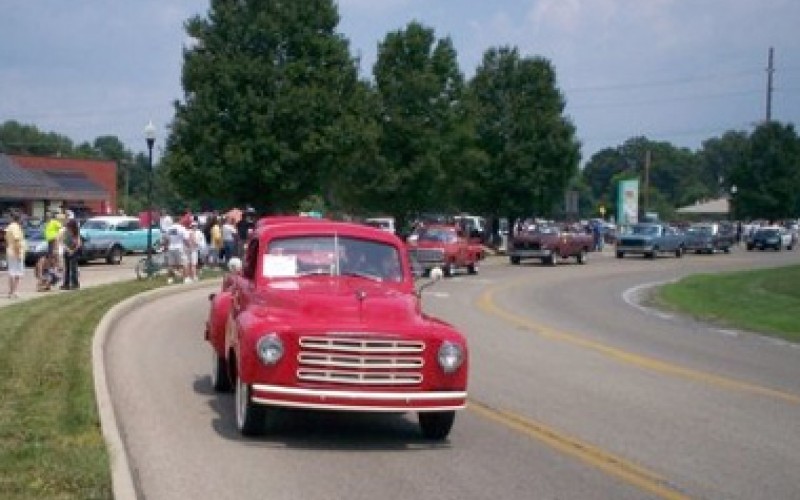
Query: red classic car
point(549, 243)
point(445, 246)
point(325, 316)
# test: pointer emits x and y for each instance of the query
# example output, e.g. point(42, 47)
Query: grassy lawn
point(765, 301)
point(51, 445)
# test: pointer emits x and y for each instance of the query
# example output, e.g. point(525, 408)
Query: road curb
point(121, 474)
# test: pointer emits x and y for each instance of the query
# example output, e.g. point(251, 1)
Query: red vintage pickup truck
point(549, 243)
point(325, 316)
point(445, 246)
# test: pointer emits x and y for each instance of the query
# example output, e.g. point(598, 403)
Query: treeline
point(759, 172)
point(276, 115)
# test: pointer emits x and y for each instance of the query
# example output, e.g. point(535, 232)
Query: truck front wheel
point(250, 417)
point(436, 425)
point(582, 257)
point(220, 380)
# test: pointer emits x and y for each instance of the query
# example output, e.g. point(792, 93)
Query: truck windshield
point(300, 256)
point(646, 230)
point(438, 235)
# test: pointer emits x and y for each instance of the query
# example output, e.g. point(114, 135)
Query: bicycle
point(152, 267)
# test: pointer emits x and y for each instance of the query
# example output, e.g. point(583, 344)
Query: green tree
point(717, 159)
point(267, 91)
point(768, 178)
point(531, 146)
point(425, 140)
point(16, 138)
point(671, 179)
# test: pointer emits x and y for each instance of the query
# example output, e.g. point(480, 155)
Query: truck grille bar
point(360, 360)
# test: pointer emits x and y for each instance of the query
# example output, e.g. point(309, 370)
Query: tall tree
point(531, 145)
point(424, 139)
point(268, 86)
point(768, 178)
point(718, 157)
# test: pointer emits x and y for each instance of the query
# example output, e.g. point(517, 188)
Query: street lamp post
point(150, 137)
point(731, 211)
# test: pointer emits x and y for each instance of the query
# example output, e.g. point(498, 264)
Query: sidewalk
point(90, 275)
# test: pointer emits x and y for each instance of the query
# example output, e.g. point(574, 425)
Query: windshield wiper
point(362, 274)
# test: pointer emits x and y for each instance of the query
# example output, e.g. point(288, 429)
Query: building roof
point(20, 183)
point(718, 206)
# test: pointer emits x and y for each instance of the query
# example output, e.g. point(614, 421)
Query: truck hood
point(335, 301)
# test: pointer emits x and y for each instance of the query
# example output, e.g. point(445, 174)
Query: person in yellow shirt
point(51, 230)
point(15, 254)
point(216, 242)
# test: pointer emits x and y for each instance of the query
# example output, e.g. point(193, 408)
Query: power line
point(663, 83)
point(629, 103)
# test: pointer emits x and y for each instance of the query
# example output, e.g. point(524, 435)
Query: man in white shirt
point(176, 240)
point(195, 247)
point(164, 223)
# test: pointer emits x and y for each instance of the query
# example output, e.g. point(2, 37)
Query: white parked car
point(384, 223)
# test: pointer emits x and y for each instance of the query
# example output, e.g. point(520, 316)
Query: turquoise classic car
point(123, 232)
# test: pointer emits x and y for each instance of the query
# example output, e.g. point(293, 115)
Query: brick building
point(39, 184)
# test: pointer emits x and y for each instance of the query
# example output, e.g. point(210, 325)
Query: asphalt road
point(575, 393)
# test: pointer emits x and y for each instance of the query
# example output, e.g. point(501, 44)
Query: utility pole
point(770, 70)
point(646, 181)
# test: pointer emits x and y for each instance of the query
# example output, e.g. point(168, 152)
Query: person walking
point(51, 229)
point(195, 243)
point(213, 235)
point(177, 237)
point(244, 228)
point(15, 254)
point(72, 250)
point(228, 240)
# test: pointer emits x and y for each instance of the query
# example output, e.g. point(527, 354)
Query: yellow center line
point(487, 304)
point(592, 455)
point(613, 465)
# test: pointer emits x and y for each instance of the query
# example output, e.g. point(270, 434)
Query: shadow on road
point(321, 430)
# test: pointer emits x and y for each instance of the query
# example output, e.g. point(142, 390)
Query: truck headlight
point(270, 349)
point(451, 355)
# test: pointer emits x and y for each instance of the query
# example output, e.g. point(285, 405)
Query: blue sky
point(674, 70)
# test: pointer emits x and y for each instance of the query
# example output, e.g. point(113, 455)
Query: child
point(46, 273)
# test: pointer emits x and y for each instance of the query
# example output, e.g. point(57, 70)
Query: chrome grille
point(427, 254)
point(357, 360)
point(632, 242)
point(527, 245)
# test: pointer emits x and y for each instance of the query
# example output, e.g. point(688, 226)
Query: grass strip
point(51, 445)
point(766, 301)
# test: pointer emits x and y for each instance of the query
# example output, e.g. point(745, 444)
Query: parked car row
point(551, 242)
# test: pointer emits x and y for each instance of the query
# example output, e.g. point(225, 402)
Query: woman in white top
point(195, 245)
